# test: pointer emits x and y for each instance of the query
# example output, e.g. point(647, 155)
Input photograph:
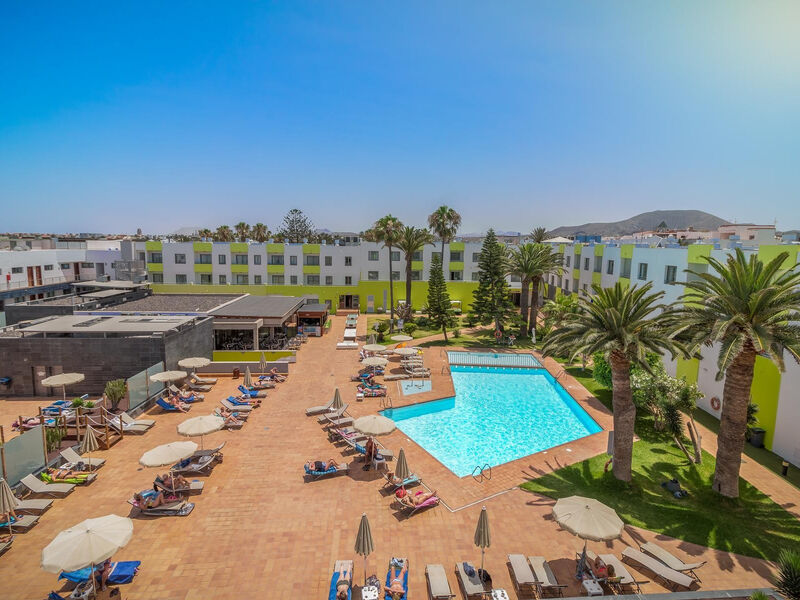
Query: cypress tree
point(440, 311)
point(493, 295)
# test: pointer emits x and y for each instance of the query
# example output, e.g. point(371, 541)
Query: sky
point(159, 115)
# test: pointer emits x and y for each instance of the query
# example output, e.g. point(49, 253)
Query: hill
point(675, 219)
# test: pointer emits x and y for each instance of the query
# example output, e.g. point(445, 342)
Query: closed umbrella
point(201, 426)
point(262, 365)
point(337, 400)
point(401, 470)
point(63, 380)
point(8, 502)
point(371, 339)
point(374, 347)
point(167, 454)
point(89, 443)
point(483, 538)
point(87, 544)
point(168, 376)
point(401, 337)
point(364, 544)
point(248, 378)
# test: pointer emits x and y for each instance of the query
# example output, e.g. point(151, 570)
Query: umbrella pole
point(201, 442)
point(365, 569)
point(94, 580)
point(483, 552)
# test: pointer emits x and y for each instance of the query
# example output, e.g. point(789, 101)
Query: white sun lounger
point(23, 522)
point(472, 587)
point(33, 505)
point(69, 455)
point(523, 578)
point(203, 380)
point(626, 580)
point(235, 407)
point(670, 576)
point(37, 486)
point(438, 587)
point(669, 559)
point(129, 420)
point(318, 410)
point(545, 578)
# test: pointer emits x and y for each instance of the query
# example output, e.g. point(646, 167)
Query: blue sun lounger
point(335, 579)
point(331, 471)
point(390, 575)
point(121, 572)
point(166, 407)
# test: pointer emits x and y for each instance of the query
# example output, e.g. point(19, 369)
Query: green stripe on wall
point(202, 246)
point(274, 248)
point(688, 369)
point(768, 253)
point(238, 247)
point(597, 278)
point(249, 355)
point(456, 246)
point(698, 252)
point(153, 246)
point(598, 249)
point(764, 392)
point(626, 251)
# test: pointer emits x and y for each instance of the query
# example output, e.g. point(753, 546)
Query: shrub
point(409, 328)
point(472, 320)
point(456, 333)
point(787, 581)
point(76, 402)
point(88, 404)
point(53, 437)
point(382, 326)
point(115, 392)
point(602, 368)
point(422, 322)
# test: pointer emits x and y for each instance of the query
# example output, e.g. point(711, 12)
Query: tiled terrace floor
point(260, 531)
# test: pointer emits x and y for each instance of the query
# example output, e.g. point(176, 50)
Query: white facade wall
point(11, 260)
point(786, 439)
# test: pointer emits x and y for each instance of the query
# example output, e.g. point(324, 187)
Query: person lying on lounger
point(172, 482)
point(183, 395)
point(229, 416)
point(150, 499)
point(320, 466)
point(275, 376)
point(416, 499)
point(175, 402)
point(66, 473)
point(5, 539)
point(343, 583)
point(395, 589)
point(247, 400)
point(393, 479)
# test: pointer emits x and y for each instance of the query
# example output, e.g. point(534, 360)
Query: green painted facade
point(625, 282)
point(626, 251)
point(456, 266)
point(578, 249)
point(153, 246)
point(417, 265)
point(764, 391)
point(155, 267)
point(277, 269)
point(311, 248)
point(249, 355)
point(456, 246)
point(198, 268)
point(311, 269)
point(202, 246)
point(274, 248)
point(239, 268)
point(238, 247)
point(688, 369)
point(596, 278)
point(599, 249)
point(576, 273)
point(768, 253)
point(699, 252)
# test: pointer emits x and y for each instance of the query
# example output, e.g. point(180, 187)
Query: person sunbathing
point(8, 516)
point(229, 416)
point(66, 473)
point(279, 377)
point(180, 395)
point(172, 482)
point(150, 499)
point(6, 539)
point(416, 499)
point(600, 569)
point(176, 403)
point(395, 589)
point(344, 581)
point(246, 399)
point(320, 466)
point(392, 479)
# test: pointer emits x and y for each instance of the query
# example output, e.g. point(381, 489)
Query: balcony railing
point(54, 280)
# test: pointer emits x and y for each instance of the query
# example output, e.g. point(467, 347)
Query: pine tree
point(493, 296)
point(296, 227)
point(440, 311)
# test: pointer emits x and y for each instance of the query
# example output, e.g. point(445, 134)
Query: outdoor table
point(369, 592)
point(499, 594)
point(592, 587)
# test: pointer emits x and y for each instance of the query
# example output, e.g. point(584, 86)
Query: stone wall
point(193, 341)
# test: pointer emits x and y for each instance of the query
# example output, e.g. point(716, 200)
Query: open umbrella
point(248, 378)
point(408, 351)
point(588, 518)
point(337, 400)
point(63, 380)
point(401, 470)
point(168, 376)
point(194, 362)
point(371, 339)
point(374, 361)
point(87, 544)
point(364, 544)
point(262, 365)
point(8, 502)
point(89, 443)
point(401, 337)
point(374, 425)
point(483, 538)
point(374, 347)
point(167, 454)
point(201, 426)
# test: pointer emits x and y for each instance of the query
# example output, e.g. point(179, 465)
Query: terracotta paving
point(259, 530)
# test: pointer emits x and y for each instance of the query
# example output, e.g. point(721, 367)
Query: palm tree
point(531, 262)
point(205, 233)
point(387, 230)
point(555, 311)
point(223, 234)
point(444, 222)
point(538, 235)
point(242, 231)
point(625, 323)
point(260, 232)
point(412, 239)
point(749, 308)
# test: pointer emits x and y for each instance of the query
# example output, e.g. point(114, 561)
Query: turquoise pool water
point(493, 359)
point(497, 415)
point(415, 386)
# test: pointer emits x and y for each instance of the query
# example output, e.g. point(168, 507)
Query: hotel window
point(373, 255)
point(65, 266)
point(515, 279)
point(416, 275)
point(241, 279)
point(328, 279)
point(395, 275)
point(203, 259)
point(642, 274)
point(87, 265)
point(221, 259)
point(670, 273)
point(240, 259)
point(476, 276)
point(48, 267)
point(312, 279)
point(417, 255)
point(180, 259)
point(372, 275)
point(348, 261)
point(566, 264)
point(142, 257)
point(456, 256)
point(157, 277)
point(276, 279)
point(598, 264)
point(222, 279)
point(293, 260)
point(586, 264)
point(155, 257)
point(476, 256)
point(626, 268)
point(180, 278)
point(348, 280)
point(16, 269)
point(276, 259)
point(585, 287)
point(610, 267)
point(456, 275)
point(328, 261)
point(566, 285)
point(575, 285)
point(293, 280)
point(256, 259)
point(205, 278)
point(395, 255)
point(311, 260)
point(257, 279)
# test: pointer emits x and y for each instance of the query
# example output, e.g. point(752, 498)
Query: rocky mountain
point(674, 219)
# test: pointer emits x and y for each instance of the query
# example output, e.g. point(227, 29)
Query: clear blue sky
point(168, 114)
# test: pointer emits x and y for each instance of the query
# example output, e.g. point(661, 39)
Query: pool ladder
point(482, 473)
point(386, 401)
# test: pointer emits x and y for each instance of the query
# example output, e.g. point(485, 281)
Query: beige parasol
point(63, 380)
point(194, 362)
point(406, 351)
point(8, 502)
point(167, 454)
point(337, 400)
point(248, 378)
point(201, 426)
point(168, 376)
point(401, 337)
point(89, 443)
point(262, 364)
point(374, 347)
point(483, 538)
point(401, 470)
point(88, 543)
point(588, 518)
point(374, 425)
point(375, 361)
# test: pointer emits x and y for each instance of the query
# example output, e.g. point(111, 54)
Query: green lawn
point(420, 332)
point(481, 339)
point(753, 525)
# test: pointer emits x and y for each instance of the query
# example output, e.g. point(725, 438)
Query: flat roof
point(109, 324)
point(179, 303)
point(103, 294)
point(261, 306)
point(114, 284)
point(316, 307)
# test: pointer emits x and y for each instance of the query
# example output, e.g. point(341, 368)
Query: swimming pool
point(493, 359)
point(497, 415)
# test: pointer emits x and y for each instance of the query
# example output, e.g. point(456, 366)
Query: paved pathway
point(260, 531)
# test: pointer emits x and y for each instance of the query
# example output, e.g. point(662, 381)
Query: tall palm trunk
point(408, 280)
point(535, 283)
point(624, 415)
point(733, 422)
point(391, 291)
point(523, 306)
